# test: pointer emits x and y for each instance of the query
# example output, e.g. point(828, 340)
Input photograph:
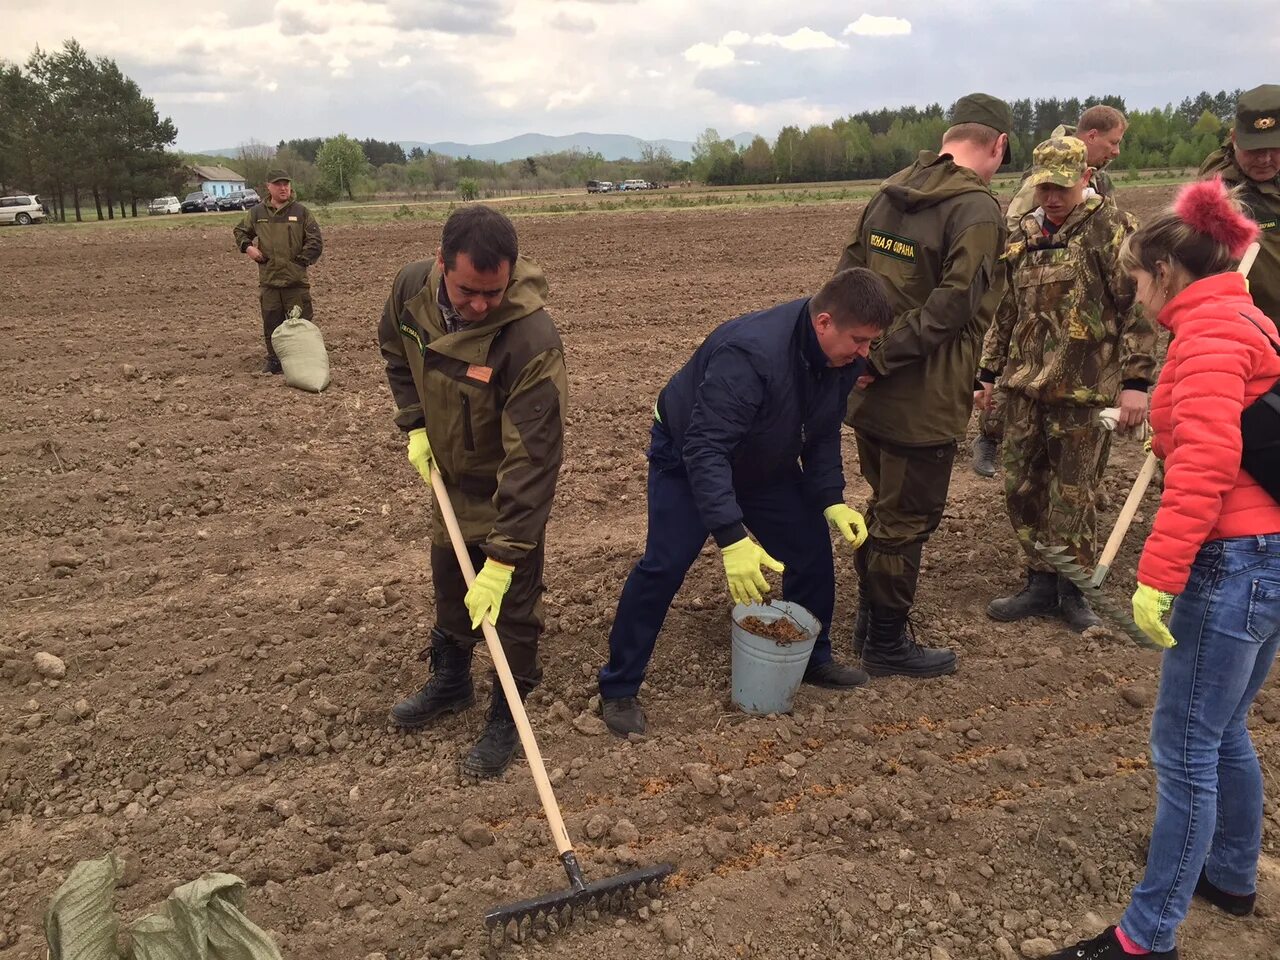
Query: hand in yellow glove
point(848, 521)
point(484, 596)
point(1150, 607)
point(420, 453)
point(742, 562)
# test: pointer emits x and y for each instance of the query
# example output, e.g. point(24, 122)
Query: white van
point(635, 184)
point(24, 209)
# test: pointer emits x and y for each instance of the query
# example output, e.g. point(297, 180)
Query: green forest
point(81, 134)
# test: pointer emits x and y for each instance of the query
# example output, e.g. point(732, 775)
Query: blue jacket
point(756, 405)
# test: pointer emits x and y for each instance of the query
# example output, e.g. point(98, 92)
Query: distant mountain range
point(612, 146)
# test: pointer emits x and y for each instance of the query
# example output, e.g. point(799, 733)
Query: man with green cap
point(1101, 128)
point(281, 236)
point(1067, 342)
point(933, 233)
point(1250, 160)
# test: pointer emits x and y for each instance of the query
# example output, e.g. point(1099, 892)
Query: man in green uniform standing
point(1101, 129)
point(934, 234)
point(1067, 341)
point(1250, 160)
point(477, 371)
point(282, 237)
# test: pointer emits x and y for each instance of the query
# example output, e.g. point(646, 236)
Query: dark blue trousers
point(788, 527)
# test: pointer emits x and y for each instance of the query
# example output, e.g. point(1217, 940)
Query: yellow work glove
point(420, 453)
point(484, 596)
point(1150, 607)
point(742, 562)
point(848, 521)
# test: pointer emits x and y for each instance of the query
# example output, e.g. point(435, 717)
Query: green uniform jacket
point(1024, 201)
point(934, 234)
point(1068, 327)
point(1263, 203)
point(492, 398)
point(290, 238)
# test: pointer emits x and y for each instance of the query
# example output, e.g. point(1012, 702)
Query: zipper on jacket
point(468, 437)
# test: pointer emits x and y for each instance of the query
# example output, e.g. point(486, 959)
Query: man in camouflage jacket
point(477, 371)
point(1067, 339)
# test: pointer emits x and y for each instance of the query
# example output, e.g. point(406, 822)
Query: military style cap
point(1061, 161)
point(987, 110)
point(276, 175)
point(1258, 118)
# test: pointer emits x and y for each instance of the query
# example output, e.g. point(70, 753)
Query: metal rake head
point(552, 911)
point(1062, 561)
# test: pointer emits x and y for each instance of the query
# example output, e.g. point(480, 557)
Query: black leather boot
point(448, 691)
point(497, 745)
point(985, 451)
point(891, 650)
point(1074, 608)
point(1037, 599)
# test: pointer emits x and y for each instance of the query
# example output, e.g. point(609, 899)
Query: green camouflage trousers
point(1053, 462)
point(991, 422)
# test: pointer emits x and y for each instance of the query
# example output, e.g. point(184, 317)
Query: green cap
point(1258, 118)
point(1061, 161)
point(276, 175)
point(987, 110)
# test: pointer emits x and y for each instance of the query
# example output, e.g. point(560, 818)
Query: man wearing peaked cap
point(1067, 342)
point(281, 236)
point(1250, 159)
point(933, 233)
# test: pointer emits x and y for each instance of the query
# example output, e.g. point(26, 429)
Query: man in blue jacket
point(747, 436)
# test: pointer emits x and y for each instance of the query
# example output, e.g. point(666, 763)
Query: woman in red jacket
point(1214, 557)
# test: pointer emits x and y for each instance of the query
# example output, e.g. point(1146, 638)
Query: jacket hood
point(929, 181)
point(1228, 287)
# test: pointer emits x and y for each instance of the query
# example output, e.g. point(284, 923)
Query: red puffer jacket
point(1218, 364)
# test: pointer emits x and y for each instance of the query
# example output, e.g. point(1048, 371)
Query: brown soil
point(235, 576)
point(781, 631)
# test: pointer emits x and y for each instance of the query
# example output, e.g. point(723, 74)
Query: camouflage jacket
point(1068, 330)
point(1024, 201)
point(1263, 203)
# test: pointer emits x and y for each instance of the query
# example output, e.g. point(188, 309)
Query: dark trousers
point(519, 621)
point(908, 493)
point(276, 303)
point(786, 525)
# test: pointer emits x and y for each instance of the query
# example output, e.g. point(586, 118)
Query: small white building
point(216, 181)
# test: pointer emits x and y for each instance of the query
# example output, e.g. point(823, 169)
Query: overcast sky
point(482, 70)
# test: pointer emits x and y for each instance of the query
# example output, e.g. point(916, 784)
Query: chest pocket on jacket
point(1047, 285)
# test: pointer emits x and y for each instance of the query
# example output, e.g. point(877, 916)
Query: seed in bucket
point(782, 631)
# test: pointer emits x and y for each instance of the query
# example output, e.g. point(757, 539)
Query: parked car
point(635, 185)
point(238, 200)
point(164, 205)
point(24, 208)
point(199, 202)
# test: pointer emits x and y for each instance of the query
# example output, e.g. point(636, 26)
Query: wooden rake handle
point(539, 770)
point(1147, 472)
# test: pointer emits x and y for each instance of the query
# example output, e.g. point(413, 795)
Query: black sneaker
point(835, 676)
point(622, 715)
point(1105, 946)
point(985, 451)
point(1236, 904)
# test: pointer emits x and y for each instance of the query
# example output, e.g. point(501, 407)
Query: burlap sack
point(300, 346)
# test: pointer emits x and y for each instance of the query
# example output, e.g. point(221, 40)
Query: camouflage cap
point(987, 110)
point(274, 176)
point(1061, 161)
point(1258, 118)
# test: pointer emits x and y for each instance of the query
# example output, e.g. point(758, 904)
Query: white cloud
point(567, 21)
point(339, 65)
point(707, 56)
point(869, 26)
point(402, 61)
point(735, 38)
point(570, 98)
point(805, 38)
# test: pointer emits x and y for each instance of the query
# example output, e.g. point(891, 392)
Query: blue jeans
point(1209, 782)
point(787, 526)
